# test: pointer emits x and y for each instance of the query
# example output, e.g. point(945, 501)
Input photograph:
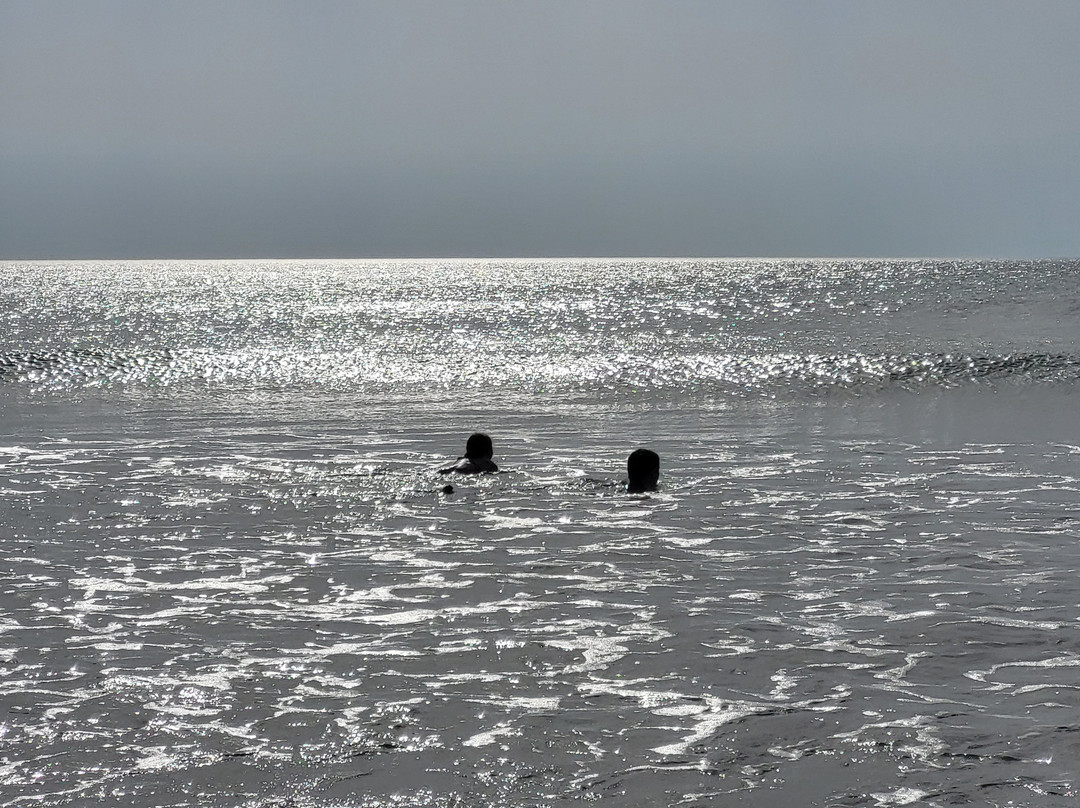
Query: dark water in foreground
point(229, 576)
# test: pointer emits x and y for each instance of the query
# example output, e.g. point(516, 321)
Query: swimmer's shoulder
point(471, 465)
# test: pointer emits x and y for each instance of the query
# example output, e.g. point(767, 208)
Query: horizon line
point(464, 258)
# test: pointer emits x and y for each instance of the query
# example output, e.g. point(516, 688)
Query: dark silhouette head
point(477, 459)
point(478, 447)
point(642, 470)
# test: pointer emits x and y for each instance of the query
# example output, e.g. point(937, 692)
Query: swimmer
point(642, 471)
point(477, 459)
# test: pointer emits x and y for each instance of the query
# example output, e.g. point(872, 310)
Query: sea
point(231, 574)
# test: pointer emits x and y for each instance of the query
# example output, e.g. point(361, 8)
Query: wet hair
point(479, 446)
point(642, 470)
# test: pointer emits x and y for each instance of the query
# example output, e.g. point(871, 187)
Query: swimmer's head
point(642, 470)
point(478, 447)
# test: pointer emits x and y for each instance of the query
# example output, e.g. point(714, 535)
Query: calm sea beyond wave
point(232, 575)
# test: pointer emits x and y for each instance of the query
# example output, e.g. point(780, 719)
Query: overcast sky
point(210, 128)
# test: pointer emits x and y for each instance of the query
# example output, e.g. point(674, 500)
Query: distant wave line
point(382, 369)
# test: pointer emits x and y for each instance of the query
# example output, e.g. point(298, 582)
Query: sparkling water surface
point(231, 575)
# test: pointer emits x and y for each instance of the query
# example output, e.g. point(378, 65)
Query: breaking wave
point(767, 373)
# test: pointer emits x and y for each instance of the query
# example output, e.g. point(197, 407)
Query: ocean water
point(231, 577)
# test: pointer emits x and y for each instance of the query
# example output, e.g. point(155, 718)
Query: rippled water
point(231, 577)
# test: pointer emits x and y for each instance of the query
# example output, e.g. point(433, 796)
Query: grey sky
point(370, 129)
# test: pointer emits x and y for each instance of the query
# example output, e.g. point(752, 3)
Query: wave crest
point(732, 373)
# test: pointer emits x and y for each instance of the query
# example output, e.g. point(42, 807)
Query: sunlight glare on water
point(233, 577)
